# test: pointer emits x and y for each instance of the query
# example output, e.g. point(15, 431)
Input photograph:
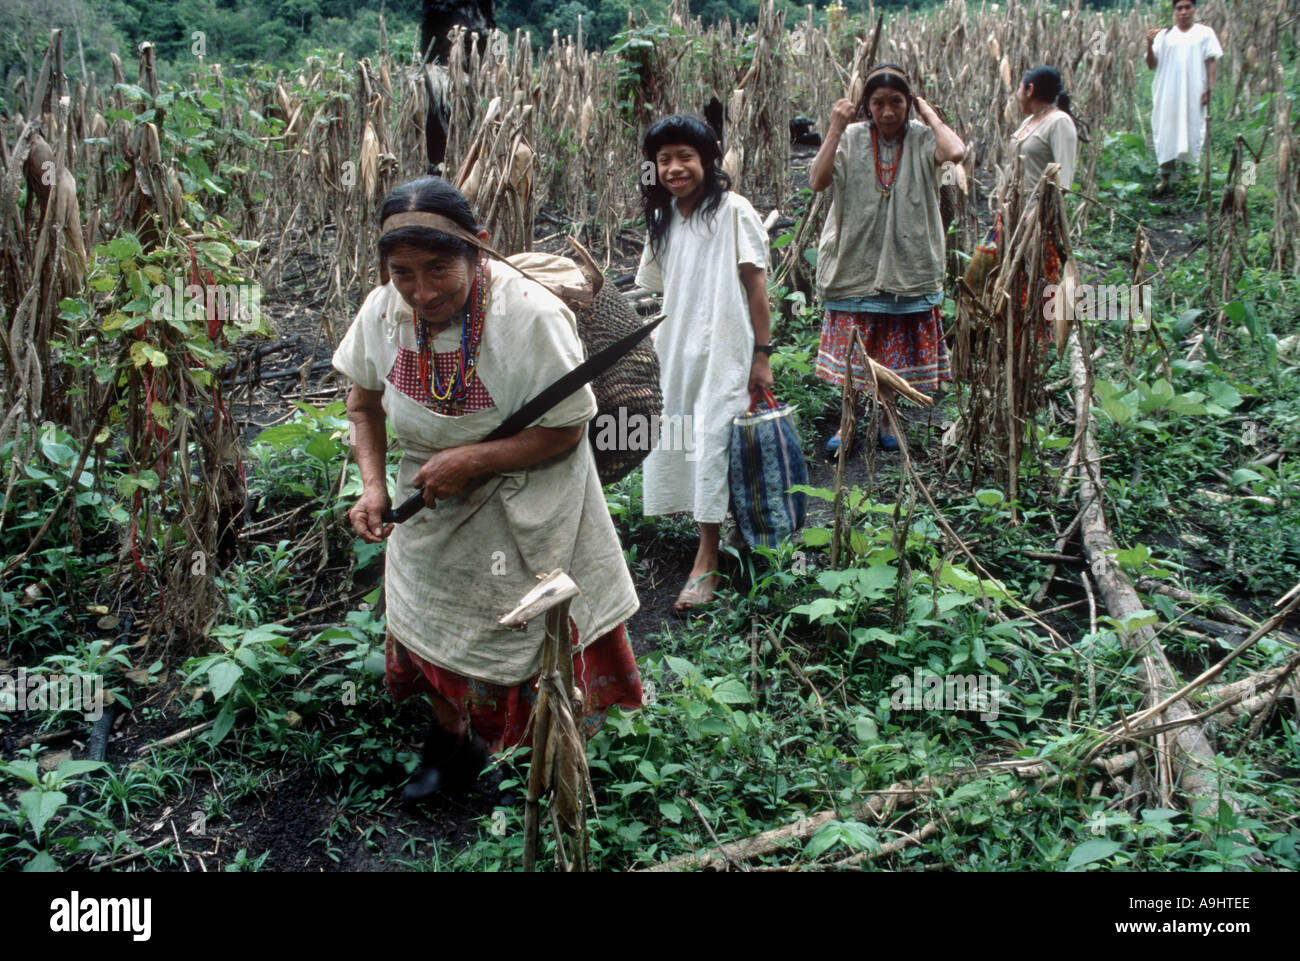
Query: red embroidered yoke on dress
point(405, 376)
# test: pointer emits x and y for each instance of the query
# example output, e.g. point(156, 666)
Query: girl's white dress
point(705, 348)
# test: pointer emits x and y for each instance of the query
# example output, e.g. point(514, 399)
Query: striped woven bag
point(766, 461)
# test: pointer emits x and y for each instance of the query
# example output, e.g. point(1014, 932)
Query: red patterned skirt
point(605, 672)
point(911, 345)
point(1051, 269)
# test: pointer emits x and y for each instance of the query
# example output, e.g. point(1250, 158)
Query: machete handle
point(406, 510)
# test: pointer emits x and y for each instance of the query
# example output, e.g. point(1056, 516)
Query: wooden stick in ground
point(552, 760)
point(536, 761)
point(177, 737)
point(566, 759)
point(847, 428)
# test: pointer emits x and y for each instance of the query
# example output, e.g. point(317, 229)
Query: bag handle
point(764, 395)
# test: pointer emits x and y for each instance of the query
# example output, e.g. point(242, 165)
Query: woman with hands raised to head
point(880, 261)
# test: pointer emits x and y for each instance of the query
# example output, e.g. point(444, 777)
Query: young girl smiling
point(707, 253)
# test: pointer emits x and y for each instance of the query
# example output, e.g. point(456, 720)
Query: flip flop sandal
point(693, 595)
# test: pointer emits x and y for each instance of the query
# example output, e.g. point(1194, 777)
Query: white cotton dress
point(452, 571)
point(706, 349)
point(1177, 117)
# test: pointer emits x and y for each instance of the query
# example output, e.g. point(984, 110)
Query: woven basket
point(628, 393)
point(628, 399)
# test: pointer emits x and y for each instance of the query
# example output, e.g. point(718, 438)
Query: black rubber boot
point(448, 765)
point(439, 748)
point(463, 768)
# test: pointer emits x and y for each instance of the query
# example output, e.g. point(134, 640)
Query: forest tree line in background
point(283, 31)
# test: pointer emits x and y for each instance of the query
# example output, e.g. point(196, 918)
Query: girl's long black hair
point(658, 201)
point(1048, 88)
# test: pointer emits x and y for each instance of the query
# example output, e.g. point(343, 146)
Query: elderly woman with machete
point(452, 343)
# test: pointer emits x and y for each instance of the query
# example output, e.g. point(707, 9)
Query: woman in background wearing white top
point(1183, 59)
point(1049, 132)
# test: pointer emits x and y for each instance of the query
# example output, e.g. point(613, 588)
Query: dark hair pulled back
point(1049, 88)
point(885, 77)
point(432, 195)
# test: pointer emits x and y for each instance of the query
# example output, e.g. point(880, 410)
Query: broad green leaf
point(671, 811)
point(1089, 851)
point(215, 251)
point(225, 721)
point(823, 838)
point(323, 448)
point(816, 536)
point(680, 666)
point(1189, 404)
point(222, 676)
point(1224, 394)
point(281, 435)
point(867, 635)
point(858, 542)
point(865, 728)
point(821, 493)
point(731, 691)
point(1244, 475)
point(42, 863)
point(989, 497)
point(1138, 620)
point(40, 806)
point(71, 768)
point(823, 608)
point(1159, 814)
point(124, 247)
point(1134, 557)
point(1185, 321)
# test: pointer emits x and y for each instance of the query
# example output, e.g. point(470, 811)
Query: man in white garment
point(1183, 57)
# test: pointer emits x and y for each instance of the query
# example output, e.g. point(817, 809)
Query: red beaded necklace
point(883, 185)
point(448, 397)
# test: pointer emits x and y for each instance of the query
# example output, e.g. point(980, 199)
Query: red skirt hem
point(605, 672)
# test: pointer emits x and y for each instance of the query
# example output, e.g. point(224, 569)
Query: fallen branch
point(176, 738)
point(929, 830)
point(1190, 748)
point(876, 805)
